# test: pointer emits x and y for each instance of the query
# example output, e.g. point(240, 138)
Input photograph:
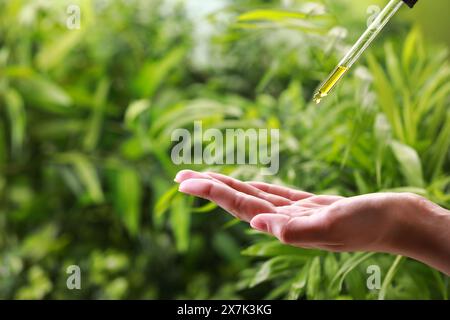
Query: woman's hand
point(385, 222)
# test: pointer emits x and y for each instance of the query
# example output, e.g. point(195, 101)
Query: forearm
point(423, 233)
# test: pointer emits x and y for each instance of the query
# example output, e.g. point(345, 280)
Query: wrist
point(421, 231)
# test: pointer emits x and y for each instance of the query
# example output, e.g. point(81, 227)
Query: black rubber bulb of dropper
point(410, 3)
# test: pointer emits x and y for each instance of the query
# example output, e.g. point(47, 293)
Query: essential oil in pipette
point(326, 87)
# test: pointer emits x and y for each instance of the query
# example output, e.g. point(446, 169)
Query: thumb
point(293, 230)
point(270, 223)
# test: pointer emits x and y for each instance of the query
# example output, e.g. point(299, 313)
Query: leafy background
point(85, 123)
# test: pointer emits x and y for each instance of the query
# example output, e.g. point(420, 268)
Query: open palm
point(296, 217)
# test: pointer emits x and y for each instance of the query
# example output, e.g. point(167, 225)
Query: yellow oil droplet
point(328, 84)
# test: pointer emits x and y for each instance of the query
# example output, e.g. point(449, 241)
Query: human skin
point(397, 223)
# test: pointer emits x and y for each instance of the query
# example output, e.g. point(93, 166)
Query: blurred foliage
point(85, 123)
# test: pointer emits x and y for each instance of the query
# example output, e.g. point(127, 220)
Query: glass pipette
point(360, 46)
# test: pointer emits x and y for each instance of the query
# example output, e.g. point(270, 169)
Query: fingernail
point(177, 177)
point(183, 175)
point(182, 187)
point(259, 225)
point(191, 187)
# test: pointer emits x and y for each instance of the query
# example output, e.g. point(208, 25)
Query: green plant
point(391, 136)
point(85, 123)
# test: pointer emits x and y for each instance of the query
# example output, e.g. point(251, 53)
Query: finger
point(288, 193)
point(186, 174)
point(294, 211)
point(270, 223)
point(304, 230)
point(239, 204)
point(307, 205)
point(251, 190)
point(318, 200)
point(235, 184)
point(311, 229)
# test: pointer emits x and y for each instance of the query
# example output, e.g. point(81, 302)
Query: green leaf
point(43, 93)
point(127, 197)
point(231, 223)
point(386, 97)
point(410, 163)
point(441, 284)
point(350, 264)
point(163, 203)
point(331, 266)
point(86, 172)
point(17, 119)
point(95, 122)
point(355, 284)
point(261, 18)
point(206, 208)
point(393, 67)
point(330, 269)
point(3, 152)
point(227, 247)
point(279, 290)
point(275, 248)
point(153, 73)
point(180, 221)
point(185, 113)
point(298, 285)
point(271, 15)
point(274, 267)
point(389, 277)
point(409, 48)
point(383, 130)
point(42, 242)
point(135, 110)
point(440, 148)
point(53, 52)
point(419, 191)
point(383, 134)
point(38, 285)
point(428, 91)
point(314, 279)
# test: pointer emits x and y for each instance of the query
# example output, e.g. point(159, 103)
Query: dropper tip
point(318, 96)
